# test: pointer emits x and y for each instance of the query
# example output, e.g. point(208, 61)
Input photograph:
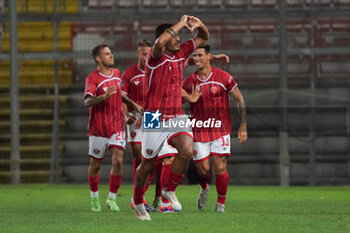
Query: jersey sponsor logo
point(149, 151)
point(133, 134)
point(137, 83)
point(151, 120)
point(96, 151)
point(88, 87)
point(214, 89)
point(195, 152)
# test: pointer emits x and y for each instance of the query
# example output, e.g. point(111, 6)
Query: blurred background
point(291, 59)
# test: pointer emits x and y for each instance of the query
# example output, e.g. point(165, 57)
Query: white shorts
point(134, 135)
point(218, 147)
point(167, 150)
point(153, 139)
point(99, 145)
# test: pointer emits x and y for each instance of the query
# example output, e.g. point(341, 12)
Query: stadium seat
point(209, 4)
point(154, 4)
point(236, 4)
point(127, 4)
point(46, 6)
point(106, 4)
point(264, 3)
point(182, 4)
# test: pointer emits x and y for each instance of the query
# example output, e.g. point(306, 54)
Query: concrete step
point(30, 151)
point(37, 176)
point(33, 101)
point(27, 164)
point(27, 126)
point(28, 138)
point(32, 114)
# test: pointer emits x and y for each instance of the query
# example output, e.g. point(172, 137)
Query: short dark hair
point(144, 43)
point(97, 50)
point(205, 47)
point(161, 28)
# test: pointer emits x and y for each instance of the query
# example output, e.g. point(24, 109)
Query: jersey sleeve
point(188, 47)
point(187, 85)
point(90, 87)
point(151, 61)
point(125, 82)
point(231, 83)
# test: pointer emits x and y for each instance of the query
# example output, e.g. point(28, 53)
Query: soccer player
point(164, 72)
point(106, 123)
point(215, 86)
point(135, 86)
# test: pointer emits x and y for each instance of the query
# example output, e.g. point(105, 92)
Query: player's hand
point(138, 108)
point(220, 57)
point(242, 133)
point(137, 123)
point(193, 23)
point(184, 19)
point(195, 94)
point(109, 92)
point(130, 119)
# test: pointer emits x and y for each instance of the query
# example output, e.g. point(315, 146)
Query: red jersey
point(212, 104)
point(164, 76)
point(134, 85)
point(106, 117)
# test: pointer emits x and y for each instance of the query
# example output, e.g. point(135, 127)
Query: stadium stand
point(36, 79)
point(36, 109)
point(252, 44)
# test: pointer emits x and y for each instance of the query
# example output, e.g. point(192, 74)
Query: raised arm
point(92, 100)
point(193, 97)
point(202, 35)
point(128, 101)
point(167, 35)
point(215, 57)
point(242, 131)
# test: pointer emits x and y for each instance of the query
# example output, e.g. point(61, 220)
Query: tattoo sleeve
point(242, 110)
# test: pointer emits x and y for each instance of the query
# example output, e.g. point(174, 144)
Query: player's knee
point(202, 171)
point(147, 165)
point(220, 168)
point(186, 151)
point(95, 167)
point(117, 161)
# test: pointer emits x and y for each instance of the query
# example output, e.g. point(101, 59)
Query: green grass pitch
point(66, 208)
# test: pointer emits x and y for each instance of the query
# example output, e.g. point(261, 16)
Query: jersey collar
point(211, 73)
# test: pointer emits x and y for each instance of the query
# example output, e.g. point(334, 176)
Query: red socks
point(158, 178)
point(173, 182)
point(203, 180)
point(138, 195)
point(135, 163)
point(149, 181)
point(114, 183)
point(166, 170)
point(93, 182)
point(221, 187)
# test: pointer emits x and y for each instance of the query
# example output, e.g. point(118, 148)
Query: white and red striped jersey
point(107, 117)
point(164, 76)
point(213, 103)
point(134, 85)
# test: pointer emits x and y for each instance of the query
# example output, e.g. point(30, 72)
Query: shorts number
point(225, 141)
point(120, 136)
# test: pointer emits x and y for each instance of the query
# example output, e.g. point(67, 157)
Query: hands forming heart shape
point(191, 22)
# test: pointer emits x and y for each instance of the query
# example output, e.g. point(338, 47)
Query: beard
point(107, 65)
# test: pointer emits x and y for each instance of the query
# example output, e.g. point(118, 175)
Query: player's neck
point(204, 72)
point(140, 66)
point(105, 70)
point(169, 53)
